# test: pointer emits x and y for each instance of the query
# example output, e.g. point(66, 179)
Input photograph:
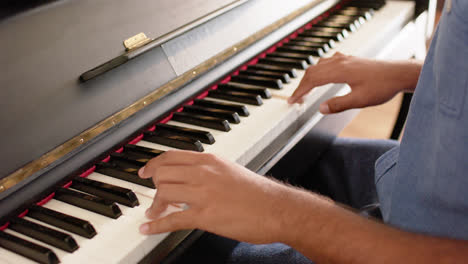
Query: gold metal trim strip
point(64, 149)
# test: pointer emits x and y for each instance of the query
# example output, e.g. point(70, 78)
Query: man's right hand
point(372, 82)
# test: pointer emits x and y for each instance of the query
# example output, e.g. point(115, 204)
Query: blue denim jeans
point(344, 172)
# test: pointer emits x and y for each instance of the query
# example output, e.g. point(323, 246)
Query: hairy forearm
point(327, 233)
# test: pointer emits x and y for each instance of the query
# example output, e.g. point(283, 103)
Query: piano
point(80, 112)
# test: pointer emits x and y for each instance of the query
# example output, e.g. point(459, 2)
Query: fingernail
point(144, 229)
point(291, 100)
point(141, 171)
point(324, 109)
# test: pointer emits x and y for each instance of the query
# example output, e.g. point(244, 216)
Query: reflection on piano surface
point(92, 213)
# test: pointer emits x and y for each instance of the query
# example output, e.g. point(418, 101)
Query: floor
point(374, 122)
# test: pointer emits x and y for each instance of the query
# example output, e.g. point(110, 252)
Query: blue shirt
point(423, 183)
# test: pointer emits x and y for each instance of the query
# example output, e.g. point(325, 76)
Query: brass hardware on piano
point(136, 41)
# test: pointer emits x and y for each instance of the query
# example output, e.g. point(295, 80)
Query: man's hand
point(222, 197)
point(229, 200)
point(372, 82)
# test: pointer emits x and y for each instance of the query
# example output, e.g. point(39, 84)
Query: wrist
point(407, 72)
point(303, 209)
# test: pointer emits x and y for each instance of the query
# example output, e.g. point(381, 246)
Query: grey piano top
point(45, 49)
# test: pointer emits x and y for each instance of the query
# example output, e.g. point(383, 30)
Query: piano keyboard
point(96, 218)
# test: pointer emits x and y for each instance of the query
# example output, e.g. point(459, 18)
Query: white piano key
point(243, 139)
point(121, 237)
point(10, 257)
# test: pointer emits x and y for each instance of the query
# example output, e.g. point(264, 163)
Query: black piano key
point(239, 97)
point(88, 202)
point(126, 174)
point(180, 142)
point(348, 26)
point(318, 52)
point(342, 32)
point(240, 109)
point(367, 14)
point(136, 159)
point(357, 19)
point(345, 21)
point(203, 136)
point(376, 5)
point(63, 221)
point(42, 233)
point(139, 152)
point(310, 45)
point(203, 121)
point(264, 67)
point(257, 80)
point(298, 64)
point(309, 59)
point(27, 249)
point(284, 77)
point(246, 88)
point(107, 191)
point(330, 42)
point(323, 35)
point(231, 116)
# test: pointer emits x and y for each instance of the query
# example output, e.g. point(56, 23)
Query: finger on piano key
point(203, 136)
point(298, 64)
point(88, 202)
point(317, 52)
point(258, 80)
point(62, 221)
point(231, 116)
point(240, 109)
point(309, 59)
point(42, 233)
point(239, 97)
point(106, 191)
point(10, 243)
point(172, 140)
point(246, 88)
point(110, 169)
point(270, 74)
point(202, 121)
point(274, 68)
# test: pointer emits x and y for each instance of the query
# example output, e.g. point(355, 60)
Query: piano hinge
point(136, 41)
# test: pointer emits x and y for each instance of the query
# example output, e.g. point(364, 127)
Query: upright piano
point(91, 90)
